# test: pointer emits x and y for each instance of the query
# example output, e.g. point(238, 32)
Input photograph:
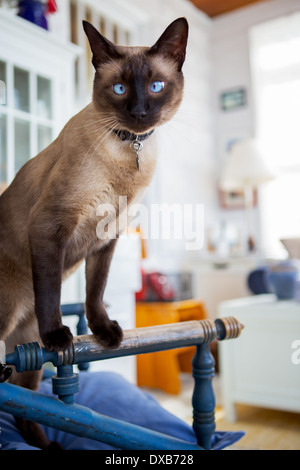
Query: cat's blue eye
point(157, 86)
point(119, 89)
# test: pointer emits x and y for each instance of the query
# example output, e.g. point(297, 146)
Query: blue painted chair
point(81, 327)
point(65, 415)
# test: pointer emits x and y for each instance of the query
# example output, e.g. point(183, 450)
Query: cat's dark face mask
point(139, 88)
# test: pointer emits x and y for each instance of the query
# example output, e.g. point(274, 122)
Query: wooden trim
point(218, 7)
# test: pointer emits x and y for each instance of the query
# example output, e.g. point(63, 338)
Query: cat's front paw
point(58, 340)
point(110, 334)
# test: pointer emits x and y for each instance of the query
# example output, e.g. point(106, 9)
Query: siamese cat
point(48, 215)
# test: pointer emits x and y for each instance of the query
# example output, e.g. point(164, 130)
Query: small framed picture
point(233, 99)
point(235, 199)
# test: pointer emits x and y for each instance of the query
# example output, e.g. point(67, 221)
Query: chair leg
point(203, 399)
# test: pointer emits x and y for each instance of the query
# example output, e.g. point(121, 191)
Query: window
point(26, 118)
point(275, 62)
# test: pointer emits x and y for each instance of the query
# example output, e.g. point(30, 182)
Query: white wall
point(231, 68)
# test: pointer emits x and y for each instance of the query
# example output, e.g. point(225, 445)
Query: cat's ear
point(102, 49)
point(172, 43)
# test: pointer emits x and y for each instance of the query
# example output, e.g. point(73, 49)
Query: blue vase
point(283, 280)
point(33, 11)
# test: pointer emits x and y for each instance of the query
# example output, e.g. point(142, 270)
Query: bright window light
point(279, 55)
point(275, 62)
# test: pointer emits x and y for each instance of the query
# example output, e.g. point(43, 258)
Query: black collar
point(126, 135)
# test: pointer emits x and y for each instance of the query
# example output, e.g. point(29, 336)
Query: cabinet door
point(26, 117)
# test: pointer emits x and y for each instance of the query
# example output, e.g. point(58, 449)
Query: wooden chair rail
point(33, 406)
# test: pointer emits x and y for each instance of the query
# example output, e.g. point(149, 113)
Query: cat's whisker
point(104, 137)
point(106, 125)
point(171, 130)
point(190, 111)
point(100, 129)
point(193, 123)
point(87, 153)
point(106, 134)
point(100, 139)
point(90, 124)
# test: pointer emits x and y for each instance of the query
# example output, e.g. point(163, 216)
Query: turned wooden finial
point(228, 328)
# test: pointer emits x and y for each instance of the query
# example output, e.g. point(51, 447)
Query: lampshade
point(245, 167)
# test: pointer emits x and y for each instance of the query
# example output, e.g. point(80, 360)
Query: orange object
point(162, 369)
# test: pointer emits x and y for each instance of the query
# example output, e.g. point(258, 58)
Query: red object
point(155, 286)
point(161, 286)
point(142, 294)
point(52, 7)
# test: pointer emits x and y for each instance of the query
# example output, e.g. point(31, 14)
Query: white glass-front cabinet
point(37, 94)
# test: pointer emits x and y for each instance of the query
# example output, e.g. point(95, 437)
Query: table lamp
point(245, 170)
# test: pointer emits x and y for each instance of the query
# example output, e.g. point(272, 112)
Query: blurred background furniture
point(213, 284)
point(257, 369)
point(162, 369)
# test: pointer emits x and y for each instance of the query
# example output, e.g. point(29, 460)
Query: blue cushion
point(110, 394)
